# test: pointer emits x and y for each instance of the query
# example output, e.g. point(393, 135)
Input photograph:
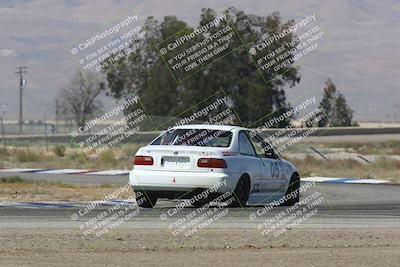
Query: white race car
point(187, 160)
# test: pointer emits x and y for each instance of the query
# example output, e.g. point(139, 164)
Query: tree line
point(144, 73)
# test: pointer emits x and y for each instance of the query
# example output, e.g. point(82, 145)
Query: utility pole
point(21, 70)
point(2, 132)
point(57, 115)
point(46, 134)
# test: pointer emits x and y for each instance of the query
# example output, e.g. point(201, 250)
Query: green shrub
point(11, 179)
point(4, 153)
point(59, 150)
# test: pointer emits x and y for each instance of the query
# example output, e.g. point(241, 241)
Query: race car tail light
point(211, 163)
point(143, 160)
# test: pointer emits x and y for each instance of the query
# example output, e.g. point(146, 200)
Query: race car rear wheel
point(145, 199)
point(241, 193)
point(204, 200)
point(200, 203)
point(293, 193)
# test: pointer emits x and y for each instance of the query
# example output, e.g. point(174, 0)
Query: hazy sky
point(359, 51)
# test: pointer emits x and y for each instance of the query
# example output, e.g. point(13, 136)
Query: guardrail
point(145, 137)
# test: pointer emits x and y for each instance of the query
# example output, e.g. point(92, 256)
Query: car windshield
point(195, 137)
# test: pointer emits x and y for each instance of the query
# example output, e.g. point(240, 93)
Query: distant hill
point(359, 51)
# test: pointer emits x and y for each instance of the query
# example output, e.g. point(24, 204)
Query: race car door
point(272, 178)
point(250, 162)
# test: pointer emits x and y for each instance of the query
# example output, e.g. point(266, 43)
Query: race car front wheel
point(292, 195)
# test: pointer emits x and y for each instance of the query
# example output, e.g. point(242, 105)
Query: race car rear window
point(195, 137)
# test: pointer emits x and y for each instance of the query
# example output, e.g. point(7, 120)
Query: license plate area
point(171, 162)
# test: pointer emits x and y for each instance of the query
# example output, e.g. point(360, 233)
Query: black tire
point(204, 201)
point(201, 203)
point(294, 186)
point(241, 193)
point(145, 199)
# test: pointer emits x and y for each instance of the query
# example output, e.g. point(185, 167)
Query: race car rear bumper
point(181, 181)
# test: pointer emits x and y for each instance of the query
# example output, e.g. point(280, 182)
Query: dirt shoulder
point(43, 191)
point(213, 247)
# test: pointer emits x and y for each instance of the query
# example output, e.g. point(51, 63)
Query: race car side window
point(267, 148)
point(258, 146)
point(263, 149)
point(245, 146)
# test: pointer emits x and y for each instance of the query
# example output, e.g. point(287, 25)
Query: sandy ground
point(211, 247)
point(42, 191)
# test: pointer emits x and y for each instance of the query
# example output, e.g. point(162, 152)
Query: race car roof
point(209, 127)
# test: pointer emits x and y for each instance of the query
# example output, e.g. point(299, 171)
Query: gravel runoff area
point(210, 247)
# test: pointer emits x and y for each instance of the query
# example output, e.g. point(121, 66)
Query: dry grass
point(391, 147)
point(382, 169)
point(121, 158)
point(16, 190)
point(67, 157)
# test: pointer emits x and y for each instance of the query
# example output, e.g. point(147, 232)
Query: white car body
point(175, 168)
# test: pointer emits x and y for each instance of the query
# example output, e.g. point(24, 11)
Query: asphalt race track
point(343, 206)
